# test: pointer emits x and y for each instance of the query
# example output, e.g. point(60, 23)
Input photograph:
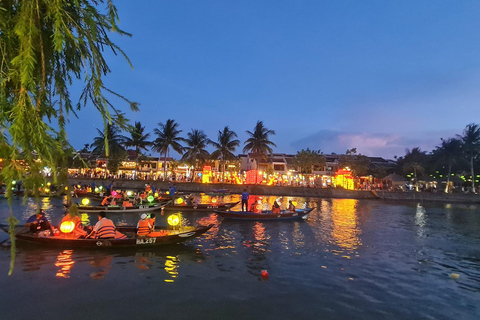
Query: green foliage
point(359, 164)
point(167, 136)
point(44, 46)
point(12, 223)
point(306, 160)
point(195, 149)
point(258, 143)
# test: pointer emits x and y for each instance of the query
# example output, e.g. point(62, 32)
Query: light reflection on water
point(350, 259)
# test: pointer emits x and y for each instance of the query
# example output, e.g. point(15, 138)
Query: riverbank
point(326, 193)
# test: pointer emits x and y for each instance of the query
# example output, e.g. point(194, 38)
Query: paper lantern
point(85, 201)
point(67, 226)
point(173, 220)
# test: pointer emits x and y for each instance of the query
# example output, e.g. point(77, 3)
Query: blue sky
point(381, 76)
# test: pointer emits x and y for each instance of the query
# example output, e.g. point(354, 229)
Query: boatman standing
point(245, 196)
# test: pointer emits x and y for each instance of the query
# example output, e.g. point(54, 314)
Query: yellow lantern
point(173, 220)
point(214, 200)
point(294, 203)
point(179, 201)
point(67, 226)
point(85, 201)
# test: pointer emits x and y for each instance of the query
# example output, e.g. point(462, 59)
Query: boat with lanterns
point(298, 214)
point(127, 237)
point(142, 208)
point(200, 206)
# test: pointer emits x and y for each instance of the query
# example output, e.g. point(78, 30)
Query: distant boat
point(299, 214)
point(218, 192)
point(121, 209)
point(201, 206)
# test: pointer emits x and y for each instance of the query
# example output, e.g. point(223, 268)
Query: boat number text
point(146, 241)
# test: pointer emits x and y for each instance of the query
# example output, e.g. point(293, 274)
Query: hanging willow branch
point(45, 45)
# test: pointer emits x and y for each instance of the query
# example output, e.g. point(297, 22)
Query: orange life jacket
point(152, 222)
point(106, 230)
point(78, 230)
point(276, 210)
point(144, 228)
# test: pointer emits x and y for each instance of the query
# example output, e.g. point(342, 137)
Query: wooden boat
point(121, 209)
point(67, 241)
point(218, 192)
point(201, 206)
point(299, 214)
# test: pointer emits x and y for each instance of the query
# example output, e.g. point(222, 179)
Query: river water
point(352, 259)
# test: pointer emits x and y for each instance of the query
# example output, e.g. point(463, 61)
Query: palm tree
point(167, 136)
point(225, 147)
point(258, 143)
point(415, 159)
point(471, 145)
point(195, 151)
point(138, 140)
point(448, 152)
point(113, 151)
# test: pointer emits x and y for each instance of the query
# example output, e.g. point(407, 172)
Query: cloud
point(371, 144)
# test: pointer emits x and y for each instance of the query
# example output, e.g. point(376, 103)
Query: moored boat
point(201, 206)
point(159, 237)
point(299, 214)
point(121, 209)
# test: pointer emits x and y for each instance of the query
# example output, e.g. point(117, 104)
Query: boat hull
point(121, 209)
point(299, 214)
point(201, 207)
point(63, 241)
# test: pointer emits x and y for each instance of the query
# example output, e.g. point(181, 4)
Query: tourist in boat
point(38, 222)
point(143, 226)
point(291, 206)
point(245, 196)
point(190, 200)
point(78, 230)
point(106, 201)
point(104, 228)
point(276, 207)
point(152, 220)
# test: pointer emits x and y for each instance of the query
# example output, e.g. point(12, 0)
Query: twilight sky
point(381, 76)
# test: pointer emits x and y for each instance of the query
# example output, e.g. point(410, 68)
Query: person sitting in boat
point(276, 207)
point(104, 228)
point(190, 200)
point(78, 230)
point(39, 222)
point(291, 206)
point(152, 220)
point(143, 226)
point(256, 206)
point(106, 201)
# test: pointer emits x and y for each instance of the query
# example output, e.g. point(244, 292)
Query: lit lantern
point(85, 201)
point(114, 193)
point(179, 201)
point(156, 194)
point(214, 200)
point(168, 192)
point(150, 198)
point(47, 190)
point(67, 226)
point(294, 203)
point(14, 182)
point(48, 184)
point(173, 220)
point(96, 189)
point(129, 193)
